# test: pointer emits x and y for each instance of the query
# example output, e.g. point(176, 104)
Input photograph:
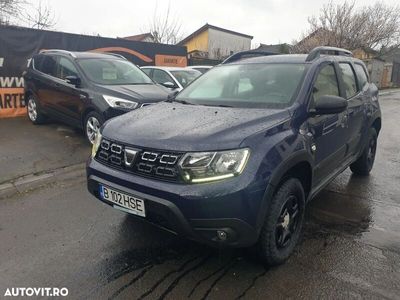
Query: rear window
point(46, 64)
point(37, 62)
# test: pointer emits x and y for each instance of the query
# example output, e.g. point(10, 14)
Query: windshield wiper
point(217, 105)
point(180, 101)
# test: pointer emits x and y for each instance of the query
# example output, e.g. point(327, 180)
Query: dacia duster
point(234, 158)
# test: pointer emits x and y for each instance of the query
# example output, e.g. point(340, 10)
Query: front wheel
point(363, 165)
point(282, 226)
point(93, 122)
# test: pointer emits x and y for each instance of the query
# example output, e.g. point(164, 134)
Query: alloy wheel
point(92, 128)
point(32, 110)
point(287, 224)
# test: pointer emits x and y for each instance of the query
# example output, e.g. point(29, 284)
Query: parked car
point(201, 69)
point(84, 89)
point(174, 78)
point(234, 158)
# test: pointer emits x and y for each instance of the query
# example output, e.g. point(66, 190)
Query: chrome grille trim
point(149, 156)
point(116, 148)
point(105, 145)
point(145, 162)
point(168, 159)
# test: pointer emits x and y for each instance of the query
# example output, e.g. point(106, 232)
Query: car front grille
point(151, 163)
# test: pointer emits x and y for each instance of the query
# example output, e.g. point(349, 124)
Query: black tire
point(285, 214)
point(88, 123)
point(363, 165)
point(34, 112)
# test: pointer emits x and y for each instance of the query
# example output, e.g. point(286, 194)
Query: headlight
point(96, 144)
point(119, 103)
point(210, 166)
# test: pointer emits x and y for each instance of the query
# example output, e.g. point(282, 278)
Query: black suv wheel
point(34, 113)
point(363, 165)
point(283, 223)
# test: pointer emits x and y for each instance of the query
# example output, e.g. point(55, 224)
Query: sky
point(269, 21)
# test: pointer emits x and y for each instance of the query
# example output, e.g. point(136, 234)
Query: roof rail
point(115, 54)
point(245, 54)
point(59, 51)
point(316, 52)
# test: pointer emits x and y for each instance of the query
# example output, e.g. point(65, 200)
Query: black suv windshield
point(113, 72)
point(246, 85)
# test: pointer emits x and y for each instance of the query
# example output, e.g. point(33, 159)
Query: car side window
point(37, 62)
point(361, 75)
point(326, 83)
point(349, 79)
point(49, 65)
point(147, 71)
point(161, 76)
point(65, 68)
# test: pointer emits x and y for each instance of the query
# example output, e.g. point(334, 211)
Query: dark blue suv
point(234, 158)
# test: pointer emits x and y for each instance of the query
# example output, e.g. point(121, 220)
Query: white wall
point(226, 43)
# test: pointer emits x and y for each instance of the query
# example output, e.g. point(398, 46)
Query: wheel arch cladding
point(303, 172)
point(87, 111)
point(299, 166)
point(377, 124)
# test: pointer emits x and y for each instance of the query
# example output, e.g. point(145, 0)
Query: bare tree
point(165, 28)
point(343, 25)
point(10, 10)
point(25, 13)
point(42, 17)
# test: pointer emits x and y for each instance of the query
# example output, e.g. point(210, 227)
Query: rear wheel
point(284, 220)
point(93, 122)
point(34, 112)
point(363, 165)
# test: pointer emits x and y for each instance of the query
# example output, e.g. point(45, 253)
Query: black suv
point(84, 89)
point(235, 157)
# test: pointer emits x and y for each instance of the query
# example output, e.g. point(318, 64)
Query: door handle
point(345, 120)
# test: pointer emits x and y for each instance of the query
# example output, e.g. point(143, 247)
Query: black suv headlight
point(120, 103)
point(201, 167)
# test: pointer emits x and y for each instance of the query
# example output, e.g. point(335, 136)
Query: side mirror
point(172, 95)
point(169, 85)
point(328, 104)
point(74, 80)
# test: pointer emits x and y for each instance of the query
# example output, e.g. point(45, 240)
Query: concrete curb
point(389, 92)
point(28, 182)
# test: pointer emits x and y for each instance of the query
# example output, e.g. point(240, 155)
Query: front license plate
point(131, 204)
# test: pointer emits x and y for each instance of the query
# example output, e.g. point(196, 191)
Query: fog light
point(222, 235)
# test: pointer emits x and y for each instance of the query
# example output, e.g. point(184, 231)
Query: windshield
point(113, 72)
point(185, 76)
point(248, 85)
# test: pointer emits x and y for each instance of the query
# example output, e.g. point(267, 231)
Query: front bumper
point(196, 212)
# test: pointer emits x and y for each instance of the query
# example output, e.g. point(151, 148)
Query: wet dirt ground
point(26, 148)
point(60, 236)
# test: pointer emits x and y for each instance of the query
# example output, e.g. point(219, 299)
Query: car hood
point(138, 92)
point(182, 127)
